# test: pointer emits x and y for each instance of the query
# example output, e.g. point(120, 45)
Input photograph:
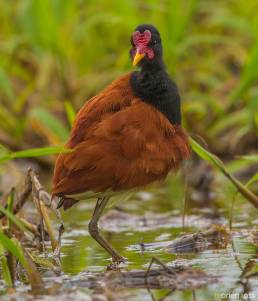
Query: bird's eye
point(152, 43)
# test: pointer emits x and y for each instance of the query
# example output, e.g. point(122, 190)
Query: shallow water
point(142, 228)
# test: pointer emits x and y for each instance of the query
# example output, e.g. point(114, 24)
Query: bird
point(126, 137)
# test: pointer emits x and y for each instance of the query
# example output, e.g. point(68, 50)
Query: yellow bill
point(137, 58)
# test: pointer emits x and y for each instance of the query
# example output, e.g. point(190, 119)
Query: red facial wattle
point(141, 41)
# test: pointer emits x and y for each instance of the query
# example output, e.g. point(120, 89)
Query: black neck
point(153, 85)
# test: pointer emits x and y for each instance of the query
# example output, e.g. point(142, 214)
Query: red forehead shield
point(141, 41)
point(141, 38)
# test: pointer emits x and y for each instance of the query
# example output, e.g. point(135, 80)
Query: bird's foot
point(114, 265)
point(57, 250)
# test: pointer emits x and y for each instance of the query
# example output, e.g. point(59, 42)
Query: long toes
point(114, 265)
point(119, 259)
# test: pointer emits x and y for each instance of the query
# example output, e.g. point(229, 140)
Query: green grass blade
point(253, 158)
point(70, 112)
point(249, 75)
point(5, 269)
point(10, 202)
point(34, 152)
point(214, 160)
point(5, 158)
point(38, 152)
point(206, 155)
point(14, 219)
point(13, 246)
point(50, 122)
point(253, 179)
point(5, 84)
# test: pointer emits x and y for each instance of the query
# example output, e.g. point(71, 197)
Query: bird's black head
point(146, 46)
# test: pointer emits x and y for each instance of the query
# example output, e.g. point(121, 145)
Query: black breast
point(157, 89)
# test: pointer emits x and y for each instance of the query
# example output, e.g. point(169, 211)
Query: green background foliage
point(58, 52)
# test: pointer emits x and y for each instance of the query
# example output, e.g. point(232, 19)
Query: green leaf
point(206, 155)
point(239, 118)
point(253, 158)
point(34, 152)
point(214, 160)
point(5, 84)
point(38, 152)
point(5, 158)
point(248, 75)
point(10, 202)
point(253, 179)
point(14, 219)
point(5, 269)
point(3, 151)
point(70, 112)
point(50, 122)
point(13, 247)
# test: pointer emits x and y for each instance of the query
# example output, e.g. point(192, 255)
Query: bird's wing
point(115, 97)
point(120, 149)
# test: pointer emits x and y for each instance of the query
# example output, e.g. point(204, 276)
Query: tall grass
point(11, 250)
point(58, 52)
point(55, 54)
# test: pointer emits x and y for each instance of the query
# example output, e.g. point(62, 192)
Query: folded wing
point(118, 145)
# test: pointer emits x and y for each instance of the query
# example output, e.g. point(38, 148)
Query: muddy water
point(142, 228)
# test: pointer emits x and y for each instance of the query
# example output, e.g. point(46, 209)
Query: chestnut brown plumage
point(126, 137)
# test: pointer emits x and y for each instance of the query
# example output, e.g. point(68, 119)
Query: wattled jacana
point(124, 138)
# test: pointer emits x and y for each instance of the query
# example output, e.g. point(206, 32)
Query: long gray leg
point(94, 230)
